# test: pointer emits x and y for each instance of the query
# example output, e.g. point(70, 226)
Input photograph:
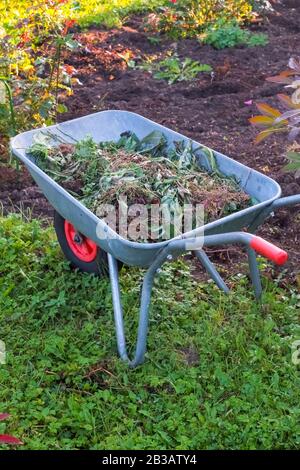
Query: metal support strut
point(144, 308)
point(174, 248)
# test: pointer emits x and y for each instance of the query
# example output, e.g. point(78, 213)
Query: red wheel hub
point(82, 247)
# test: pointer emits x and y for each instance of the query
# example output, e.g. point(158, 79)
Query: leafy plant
point(7, 109)
point(186, 18)
point(173, 69)
point(35, 80)
point(294, 158)
point(294, 162)
point(257, 39)
point(229, 34)
point(274, 121)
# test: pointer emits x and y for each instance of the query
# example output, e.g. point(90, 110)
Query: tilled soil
point(211, 110)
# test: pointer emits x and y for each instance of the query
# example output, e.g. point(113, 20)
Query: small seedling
point(173, 70)
point(155, 40)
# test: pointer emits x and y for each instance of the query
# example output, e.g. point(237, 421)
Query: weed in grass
point(66, 389)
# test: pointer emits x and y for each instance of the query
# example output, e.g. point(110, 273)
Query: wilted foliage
point(143, 171)
point(7, 439)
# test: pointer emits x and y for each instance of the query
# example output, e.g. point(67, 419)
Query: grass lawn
point(218, 373)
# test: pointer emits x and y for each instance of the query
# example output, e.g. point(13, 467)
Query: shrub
point(186, 18)
point(274, 121)
point(229, 34)
point(32, 74)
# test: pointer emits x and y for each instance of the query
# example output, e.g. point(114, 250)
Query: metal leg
point(118, 311)
point(141, 343)
point(211, 270)
point(176, 247)
point(254, 273)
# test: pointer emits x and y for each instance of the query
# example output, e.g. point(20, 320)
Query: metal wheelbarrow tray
point(235, 228)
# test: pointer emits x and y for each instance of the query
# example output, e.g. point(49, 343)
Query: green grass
point(241, 392)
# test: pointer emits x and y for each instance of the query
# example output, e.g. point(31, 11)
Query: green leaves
point(174, 70)
point(154, 144)
point(225, 33)
point(294, 158)
point(62, 108)
point(188, 18)
point(273, 121)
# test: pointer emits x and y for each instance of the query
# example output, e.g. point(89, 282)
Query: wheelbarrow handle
point(268, 250)
point(285, 202)
point(258, 244)
point(271, 208)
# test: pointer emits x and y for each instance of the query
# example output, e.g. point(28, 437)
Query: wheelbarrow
point(78, 228)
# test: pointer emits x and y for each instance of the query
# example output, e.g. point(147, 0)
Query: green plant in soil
point(31, 64)
point(188, 18)
point(219, 372)
point(144, 171)
point(173, 69)
point(224, 34)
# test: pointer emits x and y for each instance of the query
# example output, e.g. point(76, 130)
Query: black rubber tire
point(98, 266)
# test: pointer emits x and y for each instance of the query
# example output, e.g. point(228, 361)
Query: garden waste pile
point(139, 171)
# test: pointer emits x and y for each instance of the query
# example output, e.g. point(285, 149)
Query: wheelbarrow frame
point(108, 125)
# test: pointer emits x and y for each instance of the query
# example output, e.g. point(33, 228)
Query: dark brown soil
point(211, 110)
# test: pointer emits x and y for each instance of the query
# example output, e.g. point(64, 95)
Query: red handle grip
point(268, 250)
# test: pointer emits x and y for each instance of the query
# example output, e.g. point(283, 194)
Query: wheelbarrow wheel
point(82, 252)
